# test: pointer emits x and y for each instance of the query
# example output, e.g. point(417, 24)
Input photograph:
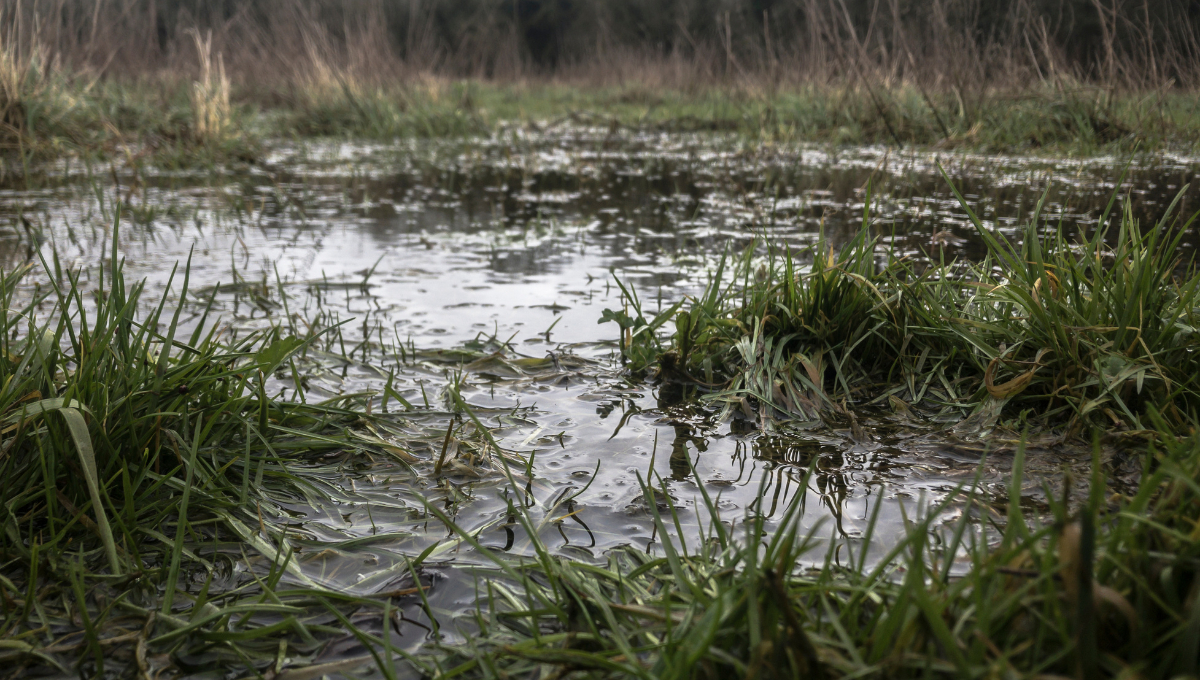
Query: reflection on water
point(508, 246)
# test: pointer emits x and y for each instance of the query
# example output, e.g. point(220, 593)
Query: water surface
point(486, 264)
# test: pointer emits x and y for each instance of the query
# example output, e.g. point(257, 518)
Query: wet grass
point(148, 474)
point(1072, 331)
point(146, 467)
point(1107, 589)
point(175, 122)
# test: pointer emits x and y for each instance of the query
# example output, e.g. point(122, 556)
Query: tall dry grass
point(1023, 74)
point(210, 93)
point(962, 46)
point(23, 70)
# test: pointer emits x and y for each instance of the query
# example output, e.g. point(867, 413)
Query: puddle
point(487, 265)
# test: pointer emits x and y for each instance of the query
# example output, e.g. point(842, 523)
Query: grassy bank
point(1074, 120)
point(1042, 76)
point(1066, 330)
point(174, 122)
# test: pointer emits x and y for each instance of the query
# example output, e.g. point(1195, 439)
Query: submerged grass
point(1110, 590)
point(1083, 331)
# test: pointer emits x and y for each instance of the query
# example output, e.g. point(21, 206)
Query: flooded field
point(479, 271)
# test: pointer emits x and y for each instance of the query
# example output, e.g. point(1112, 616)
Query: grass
point(175, 122)
point(143, 464)
point(989, 596)
point(48, 113)
point(1077, 331)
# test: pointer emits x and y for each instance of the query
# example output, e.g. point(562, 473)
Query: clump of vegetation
point(1088, 331)
point(1108, 591)
point(141, 465)
point(32, 94)
point(14, 82)
point(48, 112)
point(210, 94)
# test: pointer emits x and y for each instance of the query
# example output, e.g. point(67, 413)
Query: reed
point(210, 94)
point(966, 46)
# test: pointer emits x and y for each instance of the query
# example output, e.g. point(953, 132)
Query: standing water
point(479, 270)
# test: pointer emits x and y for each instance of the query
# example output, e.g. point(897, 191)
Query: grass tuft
point(210, 94)
point(1093, 330)
point(147, 475)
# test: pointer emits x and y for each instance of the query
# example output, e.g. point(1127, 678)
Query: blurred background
point(958, 45)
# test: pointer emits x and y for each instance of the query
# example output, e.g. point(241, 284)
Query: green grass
point(989, 596)
point(48, 114)
point(1072, 330)
point(1055, 121)
point(141, 464)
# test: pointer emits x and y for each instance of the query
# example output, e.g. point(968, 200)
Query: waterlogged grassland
point(140, 464)
point(96, 578)
point(1091, 332)
point(185, 124)
point(1106, 591)
point(395, 442)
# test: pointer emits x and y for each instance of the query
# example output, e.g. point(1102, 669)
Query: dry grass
point(210, 94)
point(963, 46)
point(22, 74)
point(900, 72)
